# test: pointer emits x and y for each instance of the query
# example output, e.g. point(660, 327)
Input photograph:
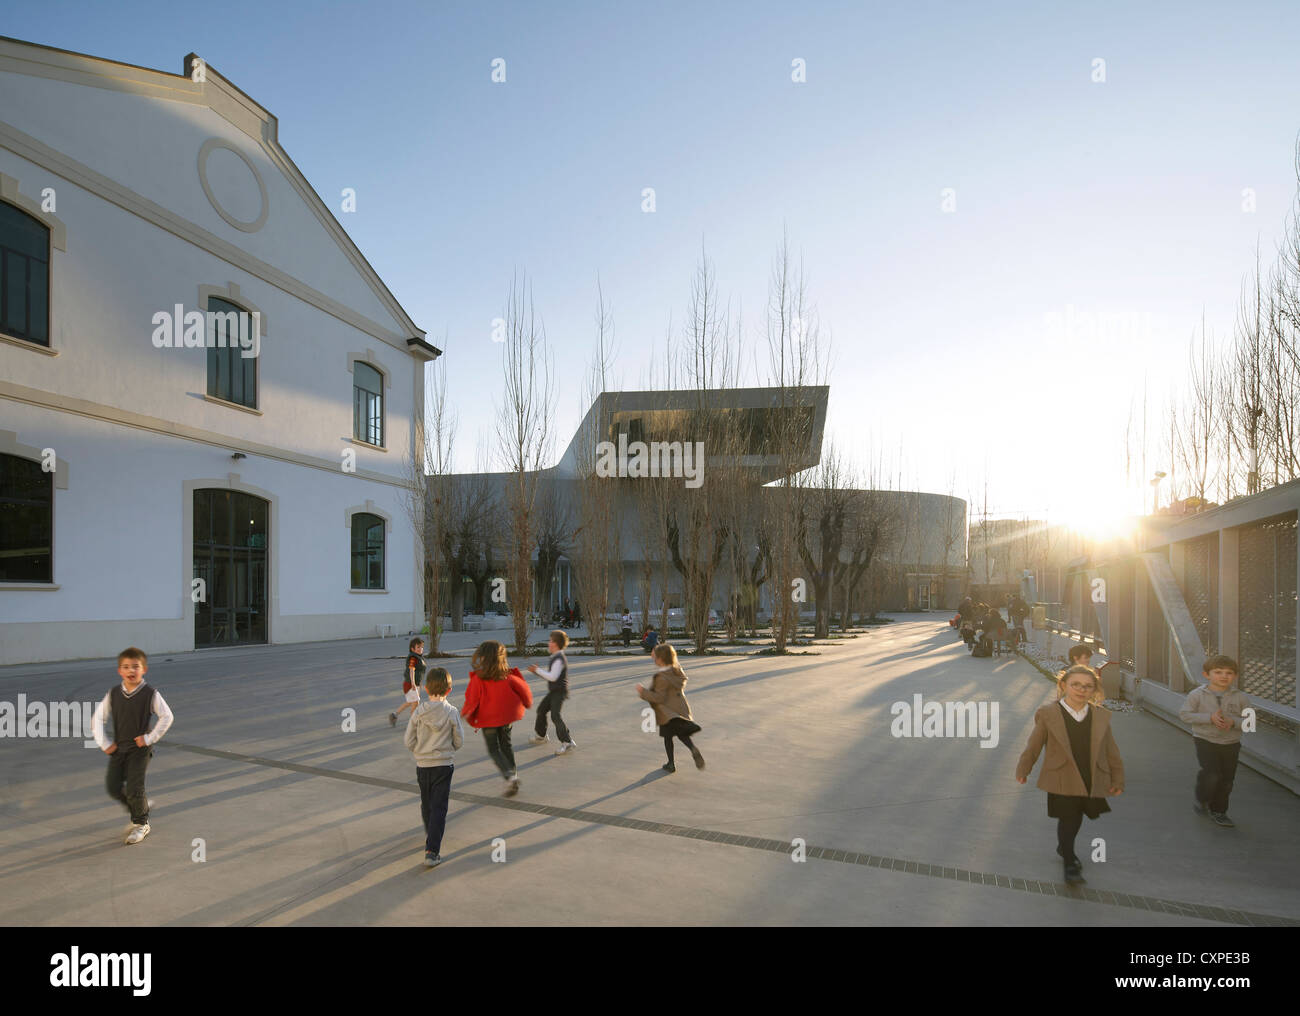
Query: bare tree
point(524, 435)
point(554, 532)
point(954, 514)
point(467, 536)
point(819, 531)
point(1200, 417)
point(427, 493)
point(697, 525)
point(870, 517)
point(795, 371)
point(597, 540)
point(1249, 370)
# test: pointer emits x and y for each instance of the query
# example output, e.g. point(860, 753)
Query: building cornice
point(156, 425)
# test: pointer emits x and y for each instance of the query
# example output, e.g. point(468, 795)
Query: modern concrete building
point(920, 562)
point(160, 483)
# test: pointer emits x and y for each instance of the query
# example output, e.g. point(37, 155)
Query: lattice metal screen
point(1119, 594)
point(1200, 587)
point(1157, 642)
point(1267, 610)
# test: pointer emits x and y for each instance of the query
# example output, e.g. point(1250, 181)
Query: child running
point(412, 680)
point(433, 736)
point(496, 697)
point(557, 680)
point(130, 705)
point(668, 697)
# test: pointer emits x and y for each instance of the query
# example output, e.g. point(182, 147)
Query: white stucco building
point(128, 469)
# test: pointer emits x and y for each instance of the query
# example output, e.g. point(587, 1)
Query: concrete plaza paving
point(302, 823)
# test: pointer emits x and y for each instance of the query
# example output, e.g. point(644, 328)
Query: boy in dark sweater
point(557, 680)
point(130, 705)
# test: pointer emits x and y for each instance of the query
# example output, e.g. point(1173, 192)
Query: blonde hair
point(1096, 698)
point(489, 661)
point(666, 656)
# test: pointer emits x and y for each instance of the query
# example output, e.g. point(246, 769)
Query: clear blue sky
point(1121, 198)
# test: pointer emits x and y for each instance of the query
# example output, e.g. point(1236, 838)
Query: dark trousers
point(435, 791)
point(668, 744)
point(125, 779)
point(1067, 828)
point(1218, 770)
point(501, 750)
point(552, 703)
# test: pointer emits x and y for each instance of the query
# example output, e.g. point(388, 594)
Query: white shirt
point(552, 673)
point(1079, 715)
point(105, 709)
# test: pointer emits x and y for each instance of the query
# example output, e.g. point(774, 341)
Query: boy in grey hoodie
point(1214, 712)
point(433, 736)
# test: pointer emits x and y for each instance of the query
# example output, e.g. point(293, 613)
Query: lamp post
point(1155, 492)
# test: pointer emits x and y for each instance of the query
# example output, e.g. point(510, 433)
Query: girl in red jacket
point(497, 696)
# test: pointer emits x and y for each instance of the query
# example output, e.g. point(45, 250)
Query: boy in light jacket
point(1214, 713)
point(433, 736)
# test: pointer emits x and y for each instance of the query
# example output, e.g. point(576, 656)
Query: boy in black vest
point(130, 705)
point(557, 680)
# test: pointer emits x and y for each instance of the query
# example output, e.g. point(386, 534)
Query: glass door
point(230, 546)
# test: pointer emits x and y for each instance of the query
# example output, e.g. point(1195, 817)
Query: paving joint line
point(1106, 897)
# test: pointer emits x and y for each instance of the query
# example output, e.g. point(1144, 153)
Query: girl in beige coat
point(1082, 765)
point(668, 697)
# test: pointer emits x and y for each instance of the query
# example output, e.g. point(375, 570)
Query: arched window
point(367, 551)
point(26, 521)
point(24, 276)
point(367, 404)
point(232, 375)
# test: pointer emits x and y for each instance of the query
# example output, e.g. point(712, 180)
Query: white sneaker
point(138, 833)
point(131, 825)
point(538, 740)
point(565, 748)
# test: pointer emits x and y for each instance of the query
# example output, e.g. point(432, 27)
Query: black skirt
point(1069, 806)
point(678, 727)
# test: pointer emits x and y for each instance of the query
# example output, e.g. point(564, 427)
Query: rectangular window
point(231, 375)
point(367, 404)
point(24, 276)
point(367, 551)
point(26, 521)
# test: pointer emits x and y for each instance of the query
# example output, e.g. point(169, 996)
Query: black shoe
point(669, 767)
point(1074, 871)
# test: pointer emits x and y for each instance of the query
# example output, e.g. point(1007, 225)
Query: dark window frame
point(8, 256)
point(368, 407)
point(364, 556)
point(233, 360)
point(7, 500)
